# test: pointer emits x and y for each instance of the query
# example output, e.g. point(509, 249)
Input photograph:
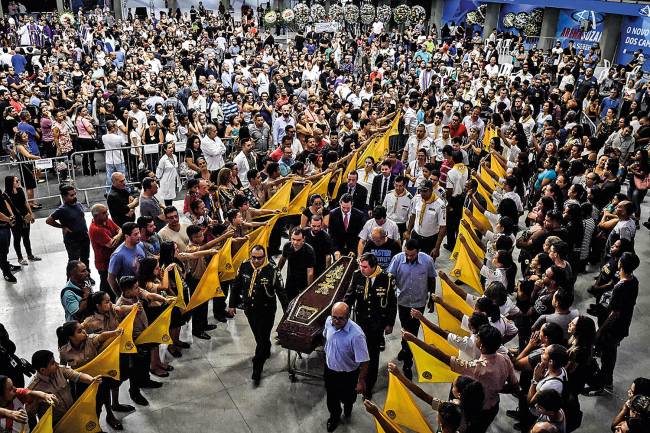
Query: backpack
point(570, 405)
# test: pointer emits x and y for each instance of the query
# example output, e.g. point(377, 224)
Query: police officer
point(372, 296)
point(256, 287)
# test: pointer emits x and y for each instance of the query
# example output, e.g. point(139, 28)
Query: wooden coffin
point(301, 327)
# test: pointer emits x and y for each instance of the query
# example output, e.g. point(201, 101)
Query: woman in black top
point(17, 199)
point(7, 219)
point(152, 135)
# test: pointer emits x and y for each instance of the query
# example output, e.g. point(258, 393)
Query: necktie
point(346, 221)
point(384, 189)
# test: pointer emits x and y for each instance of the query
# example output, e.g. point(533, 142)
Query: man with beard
point(321, 242)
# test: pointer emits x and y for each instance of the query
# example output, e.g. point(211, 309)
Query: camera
point(19, 364)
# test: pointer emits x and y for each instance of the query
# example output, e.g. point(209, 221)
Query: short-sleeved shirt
point(58, 385)
point(179, 237)
point(100, 235)
point(297, 264)
point(124, 260)
point(412, 279)
point(150, 206)
point(71, 300)
point(398, 207)
point(384, 253)
point(76, 358)
point(561, 319)
point(428, 217)
point(72, 217)
point(31, 137)
point(389, 227)
point(456, 179)
point(321, 242)
point(345, 348)
point(492, 371)
point(622, 300)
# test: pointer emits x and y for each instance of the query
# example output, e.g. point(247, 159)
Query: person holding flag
point(256, 287)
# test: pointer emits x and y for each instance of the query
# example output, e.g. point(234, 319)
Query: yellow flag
point(343, 178)
point(497, 168)
point(208, 287)
point(180, 294)
point(431, 369)
point(448, 322)
point(432, 338)
point(107, 363)
point(394, 126)
point(299, 202)
point(389, 421)
point(280, 200)
point(482, 219)
point(478, 250)
point(45, 423)
point(401, 408)
point(466, 271)
point(487, 137)
point(265, 235)
point(485, 176)
point(126, 339)
point(322, 186)
point(158, 330)
point(488, 198)
point(452, 299)
point(225, 257)
point(240, 257)
point(368, 151)
point(82, 416)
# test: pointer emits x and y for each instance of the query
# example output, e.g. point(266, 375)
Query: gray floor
point(211, 391)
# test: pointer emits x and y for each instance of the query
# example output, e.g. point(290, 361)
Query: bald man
point(346, 356)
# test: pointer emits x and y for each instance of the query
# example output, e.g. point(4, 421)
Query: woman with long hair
point(87, 141)
point(21, 149)
point(135, 141)
point(152, 138)
point(192, 154)
point(582, 336)
point(13, 416)
point(24, 218)
point(167, 174)
point(639, 172)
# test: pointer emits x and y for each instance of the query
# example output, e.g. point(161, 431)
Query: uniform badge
point(91, 426)
point(112, 373)
point(427, 375)
point(391, 414)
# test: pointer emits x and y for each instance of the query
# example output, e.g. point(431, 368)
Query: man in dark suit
point(358, 192)
point(346, 223)
point(381, 185)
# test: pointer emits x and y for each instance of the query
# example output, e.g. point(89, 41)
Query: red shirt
point(100, 235)
point(444, 169)
point(459, 131)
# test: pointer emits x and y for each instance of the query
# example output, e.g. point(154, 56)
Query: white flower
point(288, 15)
point(270, 17)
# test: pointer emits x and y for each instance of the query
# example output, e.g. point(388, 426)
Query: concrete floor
point(211, 390)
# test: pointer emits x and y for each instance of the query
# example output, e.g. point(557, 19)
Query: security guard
point(372, 296)
point(256, 286)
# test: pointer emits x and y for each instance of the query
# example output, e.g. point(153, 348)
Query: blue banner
point(521, 19)
point(457, 11)
point(584, 27)
point(635, 35)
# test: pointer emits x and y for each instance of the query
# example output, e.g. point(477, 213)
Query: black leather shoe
point(114, 423)
point(138, 398)
point(332, 423)
point(151, 384)
point(347, 411)
point(408, 372)
point(10, 278)
point(210, 327)
point(15, 268)
point(202, 336)
point(182, 345)
point(220, 319)
point(257, 377)
point(122, 408)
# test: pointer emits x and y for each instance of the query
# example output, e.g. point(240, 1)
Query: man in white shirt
point(263, 81)
point(378, 219)
point(114, 159)
point(417, 142)
point(196, 101)
point(456, 179)
point(492, 69)
point(474, 120)
point(427, 220)
point(440, 143)
point(398, 204)
point(245, 160)
point(213, 148)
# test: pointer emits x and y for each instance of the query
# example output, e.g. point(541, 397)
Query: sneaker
point(138, 398)
point(647, 225)
point(23, 262)
point(10, 278)
point(15, 268)
point(34, 258)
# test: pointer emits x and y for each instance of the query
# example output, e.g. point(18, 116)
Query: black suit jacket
point(343, 240)
point(359, 198)
point(375, 192)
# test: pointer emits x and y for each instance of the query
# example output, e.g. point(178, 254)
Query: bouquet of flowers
point(301, 12)
point(288, 16)
point(66, 17)
point(401, 14)
point(318, 13)
point(417, 13)
point(383, 13)
point(351, 14)
point(367, 13)
point(337, 13)
point(270, 19)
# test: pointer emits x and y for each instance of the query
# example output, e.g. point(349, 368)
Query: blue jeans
point(110, 169)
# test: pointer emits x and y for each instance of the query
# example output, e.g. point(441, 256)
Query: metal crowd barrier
point(53, 171)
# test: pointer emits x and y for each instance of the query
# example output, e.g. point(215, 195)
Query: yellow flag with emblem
point(45, 423)
point(465, 270)
point(448, 322)
point(478, 250)
point(241, 256)
point(432, 338)
point(401, 408)
point(107, 363)
point(497, 168)
point(385, 417)
point(452, 299)
point(208, 287)
point(322, 186)
point(126, 339)
point(82, 415)
point(430, 369)
point(280, 200)
point(158, 330)
point(299, 202)
point(489, 134)
point(265, 235)
point(180, 294)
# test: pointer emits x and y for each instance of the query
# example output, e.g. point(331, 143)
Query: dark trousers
point(482, 422)
point(139, 364)
point(341, 390)
point(411, 325)
point(200, 313)
point(104, 286)
point(88, 159)
point(5, 240)
point(219, 304)
point(402, 228)
point(374, 337)
point(426, 244)
point(21, 231)
point(608, 346)
point(454, 214)
point(78, 249)
point(261, 323)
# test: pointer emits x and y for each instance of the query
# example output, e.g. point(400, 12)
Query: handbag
point(642, 184)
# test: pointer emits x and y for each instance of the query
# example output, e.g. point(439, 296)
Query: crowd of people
point(216, 112)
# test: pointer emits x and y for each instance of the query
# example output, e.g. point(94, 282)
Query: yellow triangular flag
point(322, 186)
point(497, 168)
point(280, 200)
point(482, 219)
point(126, 339)
point(385, 417)
point(225, 260)
point(264, 236)
point(487, 196)
point(45, 423)
point(448, 322)
point(452, 299)
point(478, 250)
point(401, 408)
point(107, 363)
point(368, 151)
point(208, 287)
point(431, 369)
point(180, 293)
point(487, 137)
point(299, 202)
point(466, 271)
point(158, 330)
point(430, 337)
point(485, 176)
point(82, 416)
point(241, 255)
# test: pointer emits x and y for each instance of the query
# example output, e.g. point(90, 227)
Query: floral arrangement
point(351, 14)
point(477, 16)
point(301, 12)
point(337, 13)
point(401, 14)
point(384, 13)
point(417, 13)
point(318, 13)
point(367, 13)
point(271, 18)
point(288, 16)
point(66, 17)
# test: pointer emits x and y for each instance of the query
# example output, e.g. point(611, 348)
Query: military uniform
point(256, 290)
point(375, 307)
